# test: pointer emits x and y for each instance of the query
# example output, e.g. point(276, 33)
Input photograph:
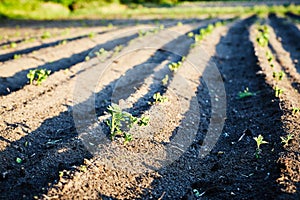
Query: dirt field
point(55, 144)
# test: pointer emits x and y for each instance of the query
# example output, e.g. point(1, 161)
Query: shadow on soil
point(289, 33)
point(54, 146)
point(231, 169)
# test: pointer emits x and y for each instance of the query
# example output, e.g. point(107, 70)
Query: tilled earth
point(54, 143)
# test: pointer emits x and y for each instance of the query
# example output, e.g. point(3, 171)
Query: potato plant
point(287, 139)
point(245, 93)
point(259, 141)
point(278, 91)
point(263, 36)
point(121, 120)
point(295, 110)
point(38, 75)
point(278, 76)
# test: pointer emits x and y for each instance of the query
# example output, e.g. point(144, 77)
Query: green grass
point(34, 9)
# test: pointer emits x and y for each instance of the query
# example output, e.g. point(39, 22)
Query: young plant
point(190, 34)
point(159, 99)
point(120, 120)
point(144, 121)
point(38, 75)
point(259, 141)
point(246, 93)
point(174, 66)
point(286, 140)
point(17, 56)
point(117, 49)
point(46, 35)
point(91, 35)
point(165, 80)
point(278, 91)
point(263, 36)
point(278, 75)
point(63, 42)
point(13, 45)
point(269, 56)
point(295, 110)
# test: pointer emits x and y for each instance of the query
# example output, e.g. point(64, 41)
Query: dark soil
point(37, 123)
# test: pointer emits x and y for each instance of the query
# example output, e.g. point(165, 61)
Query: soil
point(198, 145)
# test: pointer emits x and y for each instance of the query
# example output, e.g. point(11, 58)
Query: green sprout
point(174, 66)
point(165, 80)
point(278, 75)
point(259, 141)
point(19, 160)
point(159, 98)
point(295, 110)
point(87, 58)
point(269, 56)
point(63, 42)
point(91, 35)
point(190, 34)
point(13, 45)
point(286, 140)
point(263, 36)
point(39, 75)
point(246, 93)
point(120, 119)
point(46, 35)
point(117, 49)
point(110, 25)
point(179, 23)
point(278, 91)
point(144, 121)
point(17, 56)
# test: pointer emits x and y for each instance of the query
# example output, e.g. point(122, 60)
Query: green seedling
point(17, 56)
point(269, 56)
point(179, 24)
point(144, 121)
point(13, 45)
point(295, 110)
point(165, 80)
point(83, 168)
point(127, 138)
point(159, 99)
point(38, 75)
point(286, 140)
point(174, 66)
point(117, 49)
point(278, 91)
point(278, 75)
point(19, 160)
point(46, 35)
point(263, 36)
point(87, 58)
point(63, 42)
point(102, 51)
point(218, 24)
point(110, 25)
point(120, 120)
point(246, 93)
point(91, 35)
point(190, 34)
point(259, 141)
